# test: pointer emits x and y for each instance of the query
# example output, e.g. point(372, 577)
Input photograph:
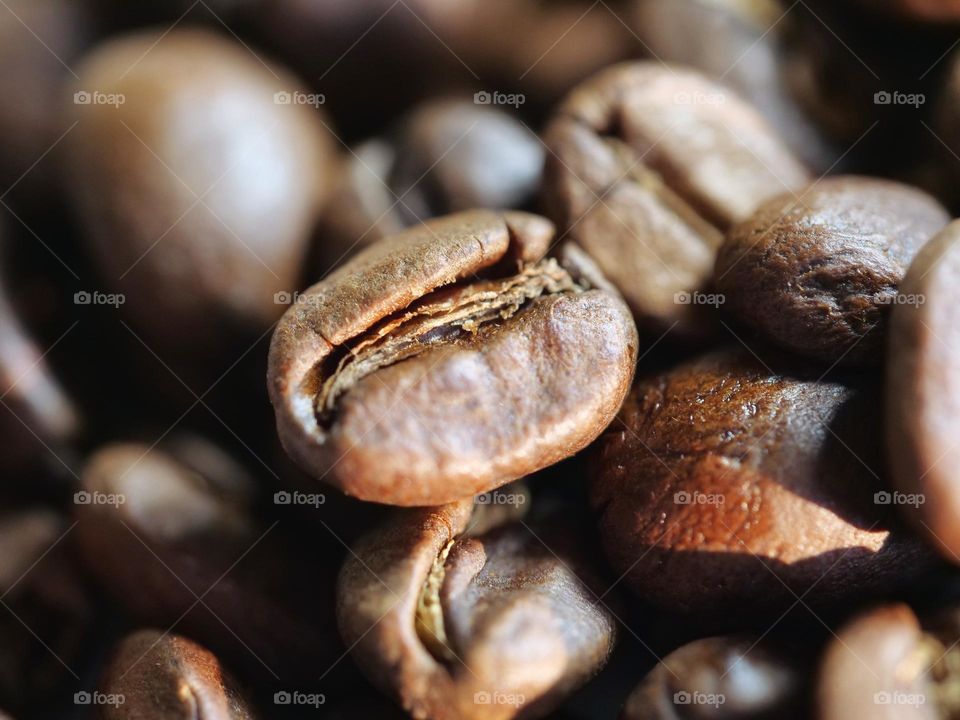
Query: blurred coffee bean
point(198, 172)
point(397, 386)
point(174, 546)
point(37, 418)
point(727, 489)
point(818, 273)
point(740, 44)
point(732, 677)
point(923, 391)
point(159, 675)
point(934, 11)
point(446, 156)
point(649, 165)
point(460, 626)
point(39, 40)
point(885, 665)
point(46, 618)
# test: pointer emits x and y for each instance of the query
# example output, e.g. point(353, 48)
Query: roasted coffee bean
point(887, 664)
point(741, 44)
point(730, 489)
point(649, 165)
point(177, 543)
point(818, 273)
point(923, 391)
point(46, 618)
point(458, 625)
point(447, 156)
point(399, 390)
point(158, 675)
point(198, 174)
point(935, 11)
point(731, 677)
point(37, 417)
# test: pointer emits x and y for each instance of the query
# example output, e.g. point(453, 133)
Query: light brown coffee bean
point(649, 165)
point(818, 273)
point(198, 174)
point(464, 626)
point(727, 489)
point(923, 391)
point(405, 378)
point(159, 676)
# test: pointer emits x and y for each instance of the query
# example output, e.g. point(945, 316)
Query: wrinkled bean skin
point(169, 677)
point(648, 167)
point(725, 491)
point(734, 677)
point(446, 156)
point(819, 273)
point(517, 628)
point(179, 520)
point(200, 223)
point(434, 428)
point(923, 391)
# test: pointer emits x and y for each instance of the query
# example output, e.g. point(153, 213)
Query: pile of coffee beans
point(479, 359)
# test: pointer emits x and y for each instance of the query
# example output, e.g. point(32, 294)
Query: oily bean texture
point(472, 626)
point(648, 167)
point(198, 197)
point(923, 390)
point(727, 488)
point(159, 675)
point(819, 273)
point(400, 391)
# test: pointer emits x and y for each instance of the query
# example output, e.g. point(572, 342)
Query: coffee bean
point(446, 156)
point(649, 165)
point(727, 489)
point(818, 273)
point(932, 11)
point(176, 547)
point(735, 677)
point(399, 390)
point(198, 196)
point(923, 390)
point(159, 675)
point(461, 626)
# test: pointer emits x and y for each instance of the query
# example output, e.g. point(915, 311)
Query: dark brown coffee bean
point(741, 44)
point(728, 488)
point(923, 391)
point(934, 11)
point(649, 165)
point(155, 675)
point(399, 390)
point(458, 626)
point(886, 665)
point(446, 156)
point(177, 547)
point(198, 173)
point(733, 677)
point(818, 273)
